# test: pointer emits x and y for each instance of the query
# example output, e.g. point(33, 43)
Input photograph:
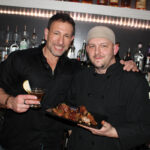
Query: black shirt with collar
point(34, 129)
point(122, 97)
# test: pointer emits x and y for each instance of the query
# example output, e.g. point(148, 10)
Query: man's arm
point(19, 104)
point(4, 97)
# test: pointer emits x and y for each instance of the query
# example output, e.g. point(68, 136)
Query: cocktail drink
point(38, 92)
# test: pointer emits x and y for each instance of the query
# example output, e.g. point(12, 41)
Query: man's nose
point(61, 40)
point(98, 50)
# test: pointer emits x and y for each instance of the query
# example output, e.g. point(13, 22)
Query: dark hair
point(62, 17)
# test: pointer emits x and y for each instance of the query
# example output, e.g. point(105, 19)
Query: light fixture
point(118, 21)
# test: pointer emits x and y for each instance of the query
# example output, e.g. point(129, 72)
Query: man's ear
point(87, 48)
point(116, 49)
point(72, 39)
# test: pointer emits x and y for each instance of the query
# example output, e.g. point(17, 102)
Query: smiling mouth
point(59, 48)
point(99, 58)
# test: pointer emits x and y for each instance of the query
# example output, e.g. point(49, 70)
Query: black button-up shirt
point(122, 97)
point(33, 129)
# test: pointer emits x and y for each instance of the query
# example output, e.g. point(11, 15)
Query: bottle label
point(101, 2)
point(23, 45)
point(126, 3)
point(141, 4)
point(87, 1)
point(14, 47)
point(113, 1)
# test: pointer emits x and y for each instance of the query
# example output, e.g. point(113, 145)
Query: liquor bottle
point(126, 3)
point(87, 1)
point(114, 3)
point(147, 63)
point(75, 0)
point(15, 46)
point(71, 52)
point(78, 55)
point(147, 67)
point(81, 55)
point(33, 40)
point(24, 43)
point(43, 41)
point(102, 2)
point(140, 4)
point(117, 55)
point(6, 46)
point(62, 0)
point(128, 55)
point(1, 49)
point(139, 57)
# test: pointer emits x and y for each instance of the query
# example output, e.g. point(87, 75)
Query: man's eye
point(91, 46)
point(104, 46)
point(67, 36)
point(56, 33)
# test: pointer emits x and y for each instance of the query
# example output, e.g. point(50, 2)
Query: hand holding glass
point(38, 92)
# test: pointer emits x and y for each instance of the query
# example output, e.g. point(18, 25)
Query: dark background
point(127, 36)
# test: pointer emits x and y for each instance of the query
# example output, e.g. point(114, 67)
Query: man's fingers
point(122, 62)
point(30, 101)
point(28, 96)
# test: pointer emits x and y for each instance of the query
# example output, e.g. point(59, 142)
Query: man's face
point(102, 53)
point(59, 37)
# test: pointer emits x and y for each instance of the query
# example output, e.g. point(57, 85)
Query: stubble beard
point(55, 54)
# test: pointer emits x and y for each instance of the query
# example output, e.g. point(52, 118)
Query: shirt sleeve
point(136, 130)
point(9, 75)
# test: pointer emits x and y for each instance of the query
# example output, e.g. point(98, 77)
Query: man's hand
point(21, 103)
point(129, 65)
point(106, 130)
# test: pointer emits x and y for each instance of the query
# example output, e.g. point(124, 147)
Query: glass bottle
point(102, 2)
point(128, 55)
point(24, 43)
point(147, 63)
point(75, 0)
point(139, 57)
point(62, 0)
point(147, 67)
point(15, 46)
point(140, 4)
point(126, 3)
point(33, 40)
point(118, 54)
point(81, 55)
point(43, 41)
point(78, 55)
point(71, 52)
point(87, 1)
point(114, 3)
point(6, 46)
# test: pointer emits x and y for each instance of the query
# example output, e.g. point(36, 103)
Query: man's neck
point(103, 69)
point(51, 60)
point(100, 70)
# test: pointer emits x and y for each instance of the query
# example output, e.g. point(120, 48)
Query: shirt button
point(89, 94)
point(108, 76)
point(80, 136)
point(102, 96)
point(92, 143)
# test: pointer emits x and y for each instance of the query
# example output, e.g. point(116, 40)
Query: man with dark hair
point(45, 67)
point(63, 17)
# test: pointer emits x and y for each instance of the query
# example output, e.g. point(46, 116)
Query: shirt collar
point(111, 70)
point(62, 60)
